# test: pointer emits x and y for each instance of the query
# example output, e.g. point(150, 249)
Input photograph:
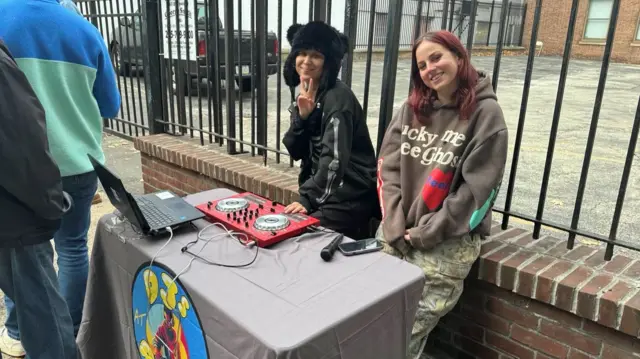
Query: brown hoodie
point(439, 181)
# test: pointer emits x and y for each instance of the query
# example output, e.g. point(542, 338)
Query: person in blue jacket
point(66, 62)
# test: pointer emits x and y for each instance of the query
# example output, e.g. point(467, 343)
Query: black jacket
point(338, 161)
point(31, 198)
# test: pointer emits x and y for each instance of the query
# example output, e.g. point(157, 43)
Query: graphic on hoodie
point(165, 323)
point(441, 152)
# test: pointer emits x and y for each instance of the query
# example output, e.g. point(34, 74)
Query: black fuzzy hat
point(319, 36)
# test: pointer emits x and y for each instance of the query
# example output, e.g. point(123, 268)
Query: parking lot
point(616, 118)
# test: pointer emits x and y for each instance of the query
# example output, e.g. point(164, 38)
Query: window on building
point(598, 19)
point(638, 30)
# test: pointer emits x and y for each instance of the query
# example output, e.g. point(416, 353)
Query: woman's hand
point(406, 236)
point(307, 99)
point(295, 207)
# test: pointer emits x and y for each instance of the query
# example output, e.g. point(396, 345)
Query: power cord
point(201, 236)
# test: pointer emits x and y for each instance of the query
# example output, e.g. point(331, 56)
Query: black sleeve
point(296, 139)
point(28, 172)
point(334, 159)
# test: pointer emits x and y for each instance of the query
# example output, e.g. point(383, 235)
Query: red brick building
point(590, 31)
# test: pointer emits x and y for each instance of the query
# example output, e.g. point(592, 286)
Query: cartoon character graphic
point(166, 326)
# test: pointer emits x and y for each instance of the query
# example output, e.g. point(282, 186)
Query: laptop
point(152, 213)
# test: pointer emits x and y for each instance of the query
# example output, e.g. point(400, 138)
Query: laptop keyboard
point(154, 216)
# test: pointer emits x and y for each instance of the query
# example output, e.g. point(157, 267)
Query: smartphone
point(360, 247)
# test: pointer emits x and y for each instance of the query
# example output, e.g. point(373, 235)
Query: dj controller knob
point(209, 205)
point(273, 210)
point(260, 206)
point(228, 215)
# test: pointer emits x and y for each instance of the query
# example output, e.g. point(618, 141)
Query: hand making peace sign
point(307, 99)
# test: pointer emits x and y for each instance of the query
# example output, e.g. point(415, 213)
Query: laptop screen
point(116, 192)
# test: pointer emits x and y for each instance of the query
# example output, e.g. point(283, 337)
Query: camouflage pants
point(445, 268)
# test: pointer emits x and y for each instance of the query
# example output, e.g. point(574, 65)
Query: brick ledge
point(578, 281)
point(245, 172)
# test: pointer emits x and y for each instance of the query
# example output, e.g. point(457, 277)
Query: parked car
point(127, 51)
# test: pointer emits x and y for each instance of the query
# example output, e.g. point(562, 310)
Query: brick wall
point(525, 298)
point(554, 21)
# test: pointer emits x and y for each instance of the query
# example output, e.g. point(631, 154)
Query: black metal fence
point(213, 73)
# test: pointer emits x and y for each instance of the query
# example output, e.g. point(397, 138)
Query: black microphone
point(327, 252)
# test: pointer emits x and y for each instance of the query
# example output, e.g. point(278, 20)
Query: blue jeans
point(28, 277)
point(71, 246)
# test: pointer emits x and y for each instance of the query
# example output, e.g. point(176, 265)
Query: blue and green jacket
point(67, 63)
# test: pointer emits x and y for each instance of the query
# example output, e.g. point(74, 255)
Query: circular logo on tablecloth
point(165, 323)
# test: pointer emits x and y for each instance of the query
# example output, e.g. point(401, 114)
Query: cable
point(227, 232)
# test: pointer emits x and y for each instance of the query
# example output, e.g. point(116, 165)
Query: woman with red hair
point(439, 171)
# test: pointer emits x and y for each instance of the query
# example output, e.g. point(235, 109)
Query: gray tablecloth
point(288, 304)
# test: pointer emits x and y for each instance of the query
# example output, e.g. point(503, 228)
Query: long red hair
point(421, 97)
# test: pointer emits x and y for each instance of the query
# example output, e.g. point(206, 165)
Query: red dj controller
point(260, 219)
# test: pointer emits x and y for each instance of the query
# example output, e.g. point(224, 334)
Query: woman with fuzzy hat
point(328, 134)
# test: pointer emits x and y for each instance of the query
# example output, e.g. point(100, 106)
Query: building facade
point(591, 27)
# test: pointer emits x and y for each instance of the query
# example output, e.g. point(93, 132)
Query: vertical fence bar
point(556, 117)
point(93, 11)
point(124, 70)
point(152, 70)
point(493, 6)
point(508, 20)
point(390, 68)
point(198, 60)
point(295, 21)
point(626, 173)
point(143, 44)
point(471, 32)
point(451, 10)
point(179, 74)
point(187, 34)
point(253, 76)
point(604, 69)
point(209, 65)
point(320, 10)
point(279, 83)
point(417, 31)
point(116, 58)
point(498, 58)
point(295, 11)
point(229, 61)
point(170, 66)
point(240, 77)
point(417, 22)
point(523, 112)
point(443, 21)
point(351, 31)
point(214, 52)
point(523, 21)
point(426, 25)
point(367, 70)
point(261, 34)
